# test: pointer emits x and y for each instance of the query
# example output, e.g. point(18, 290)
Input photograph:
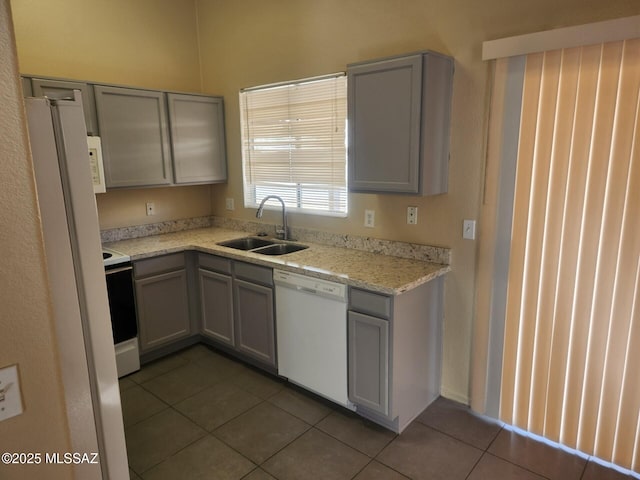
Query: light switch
point(151, 209)
point(469, 230)
point(230, 204)
point(10, 399)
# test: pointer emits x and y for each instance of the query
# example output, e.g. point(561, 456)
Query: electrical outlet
point(10, 399)
point(230, 204)
point(369, 218)
point(412, 215)
point(469, 230)
point(151, 209)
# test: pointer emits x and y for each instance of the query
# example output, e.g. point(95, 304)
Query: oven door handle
point(118, 270)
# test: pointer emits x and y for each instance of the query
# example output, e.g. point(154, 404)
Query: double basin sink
point(262, 246)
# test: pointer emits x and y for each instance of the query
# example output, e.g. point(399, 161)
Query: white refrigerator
point(58, 139)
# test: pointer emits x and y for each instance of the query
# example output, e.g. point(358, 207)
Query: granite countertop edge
point(371, 271)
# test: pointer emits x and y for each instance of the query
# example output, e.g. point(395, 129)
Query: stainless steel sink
point(262, 246)
point(246, 243)
point(280, 249)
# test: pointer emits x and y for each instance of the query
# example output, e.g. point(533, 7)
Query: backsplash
point(427, 253)
point(136, 231)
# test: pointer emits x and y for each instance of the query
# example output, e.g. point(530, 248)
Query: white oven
point(124, 324)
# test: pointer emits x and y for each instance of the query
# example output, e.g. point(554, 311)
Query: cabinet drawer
point(152, 266)
point(253, 273)
point(215, 263)
point(368, 302)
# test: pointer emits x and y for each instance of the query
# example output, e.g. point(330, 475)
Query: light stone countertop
point(371, 271)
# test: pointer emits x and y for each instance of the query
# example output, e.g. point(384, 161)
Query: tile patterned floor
point(198, 414)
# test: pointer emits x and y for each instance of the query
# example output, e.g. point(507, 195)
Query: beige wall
point(128, 207)
point(154, 43)
point(255, 42)
point(144, 43)
point(26, 318)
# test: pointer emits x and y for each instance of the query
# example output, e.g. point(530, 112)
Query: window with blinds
point(294, 144)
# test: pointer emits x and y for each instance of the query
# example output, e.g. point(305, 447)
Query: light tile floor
point(198, 414)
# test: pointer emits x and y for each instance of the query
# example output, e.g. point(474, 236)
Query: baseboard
point(456, 397)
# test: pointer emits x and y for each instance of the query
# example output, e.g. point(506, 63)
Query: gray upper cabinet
point(197, 138)
point(135, 136)
point(63, 89)
point(27, 90)
point(399, 120)
point(149, 138)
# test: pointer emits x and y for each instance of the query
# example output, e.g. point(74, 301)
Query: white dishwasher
point(311, 326)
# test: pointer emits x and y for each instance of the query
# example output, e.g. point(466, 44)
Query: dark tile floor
point(200, 415)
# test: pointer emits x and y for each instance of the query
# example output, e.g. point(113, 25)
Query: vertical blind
point(294, 144)
point(571, 365)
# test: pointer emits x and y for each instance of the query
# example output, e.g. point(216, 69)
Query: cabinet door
point(163, 309)
point(27, 90)
point(384, 104)
point(254, 321)
point(197, 138)
point(61, 89)
point(135, 136)
point(216, 303)
point(369, 362)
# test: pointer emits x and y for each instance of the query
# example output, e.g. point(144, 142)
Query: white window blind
point(294, 144)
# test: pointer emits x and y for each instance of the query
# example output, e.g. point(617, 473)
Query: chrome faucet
point(280, 233)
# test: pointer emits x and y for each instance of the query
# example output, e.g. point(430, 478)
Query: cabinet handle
point(118, 270)
point(308, 290)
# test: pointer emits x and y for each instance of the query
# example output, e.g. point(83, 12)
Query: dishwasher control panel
point(309, 284)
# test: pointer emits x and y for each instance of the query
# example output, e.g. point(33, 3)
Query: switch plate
point(469, 230)
point(151, 209)
point(230, 204)
point(369, 218)
point(412, 215)
point(10, 399)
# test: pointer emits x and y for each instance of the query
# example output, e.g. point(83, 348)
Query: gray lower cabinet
point(394, 352)
point(197, 138)
point(255, 326)
point(162, 301)
point(399, 116)
point(135, 136)
point(237, 309)
point(63, 89)
point(216, 294)
point(369, 362)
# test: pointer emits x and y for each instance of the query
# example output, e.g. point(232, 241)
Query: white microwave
point(95, 161)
